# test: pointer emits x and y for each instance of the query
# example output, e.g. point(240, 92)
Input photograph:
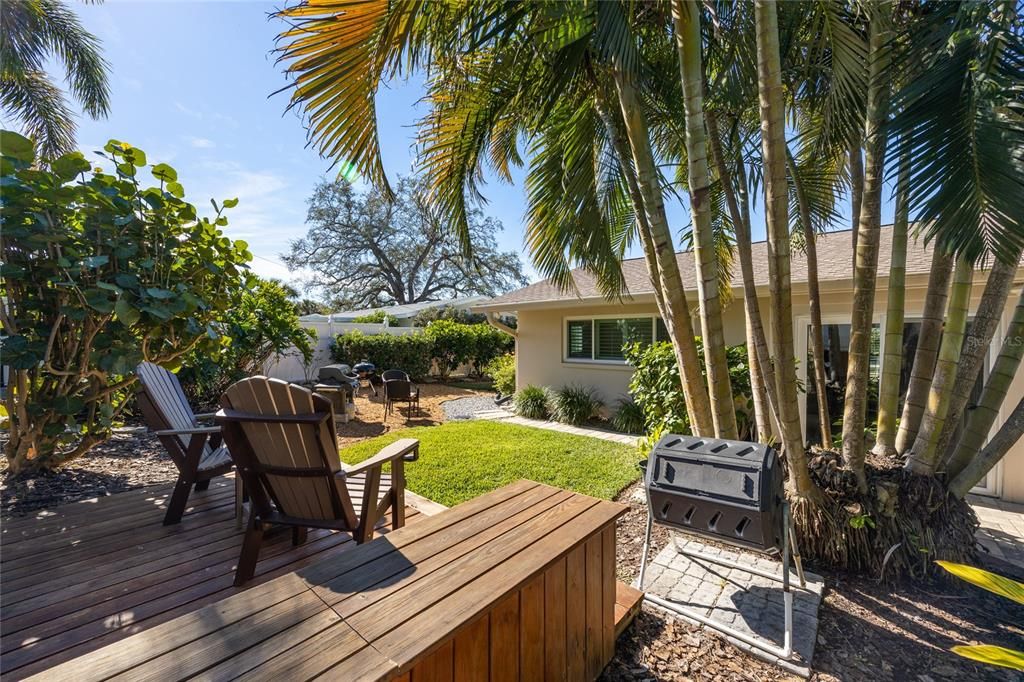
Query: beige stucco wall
point(541, 348)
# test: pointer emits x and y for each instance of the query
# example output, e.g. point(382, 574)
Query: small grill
point(724, 490)
point(730, 492)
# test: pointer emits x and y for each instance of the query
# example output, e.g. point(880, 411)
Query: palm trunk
point(892, 361)
point(976, 345)
point(773, 141)
point(686, 18)
point(814, 294)
point(923, 455)
point(677, 309)
point(856, 192)
point(868, 231)
point(1007, 436)
point(979, 424)
point(927, 350)
point(762, 376)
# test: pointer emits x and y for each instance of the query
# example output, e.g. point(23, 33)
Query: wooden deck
point(90, 573)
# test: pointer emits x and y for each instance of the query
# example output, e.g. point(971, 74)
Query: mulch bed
point(866, 631)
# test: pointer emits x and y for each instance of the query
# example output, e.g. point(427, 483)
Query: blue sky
point(192, 84)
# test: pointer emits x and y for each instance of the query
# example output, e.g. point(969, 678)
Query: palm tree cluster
point(32, 31)
point(613, 106)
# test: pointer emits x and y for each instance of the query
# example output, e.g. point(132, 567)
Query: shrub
point(574, 405)
point(489, 343)
point(377, 317)
point(656, 387)
point(100, 273)
point(532, 402)
point(408, 352)
point(503, 370)
point(446, 312)
point(452, 345)
point(261, 322)
point(628, 417)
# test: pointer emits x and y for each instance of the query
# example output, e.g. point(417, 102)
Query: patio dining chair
point(393, 374)
point(284, 442)
point(400, 391)
point(196, 450)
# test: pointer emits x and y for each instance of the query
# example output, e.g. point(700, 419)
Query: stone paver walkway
point(1002, 528)
point(748, 603)
point(509, 418)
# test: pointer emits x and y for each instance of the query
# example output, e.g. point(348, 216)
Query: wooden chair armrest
point(205, 415)
point(183, 432)
point(406, 448)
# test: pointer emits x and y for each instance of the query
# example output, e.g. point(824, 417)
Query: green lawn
point(461, 460)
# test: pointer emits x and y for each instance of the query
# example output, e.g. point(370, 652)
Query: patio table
point(515, 584)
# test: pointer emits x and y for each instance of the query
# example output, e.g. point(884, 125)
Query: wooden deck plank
point(96, 590)
point(628, 601)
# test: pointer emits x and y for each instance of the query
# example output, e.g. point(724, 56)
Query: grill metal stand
point(789, 550)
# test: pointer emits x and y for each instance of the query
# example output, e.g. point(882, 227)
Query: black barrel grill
point(724, 490)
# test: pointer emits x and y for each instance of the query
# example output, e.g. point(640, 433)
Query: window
point(578, 334)
point(602, 338)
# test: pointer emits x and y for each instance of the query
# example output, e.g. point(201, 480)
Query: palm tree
point(984, 461)
point(773, 142)
point(966, 466)
point(923, 455)
point(928, 339)
point(868, 235)
point(892, 361)
point(814, 296)
point(975, 349)
point(31, 32)
point(686, 20)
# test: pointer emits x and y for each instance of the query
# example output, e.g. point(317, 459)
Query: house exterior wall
point(540, 351)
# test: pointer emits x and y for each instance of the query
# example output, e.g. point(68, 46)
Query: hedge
point(446, 343)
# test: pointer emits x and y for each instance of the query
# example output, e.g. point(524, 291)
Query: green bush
point(532, 402)
point(100, 272)
point(452, 345)
point(628, 417)
point(503, 370)
point(261, 322)
point(377, 317)
point(656, 387)
point(488, 343)
point(409, 352)
point(574, 405)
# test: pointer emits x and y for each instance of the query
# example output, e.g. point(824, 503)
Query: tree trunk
point(814, 294)
point(892, 361)
point(686, 19)
point(868, 229)
point(928, 340)
point(773, 141)
point(1007, 436)
point(856, 192)
point(923, 455)
point(976, 345)
point(762, 376)
point(677, 309)
point(965, 457)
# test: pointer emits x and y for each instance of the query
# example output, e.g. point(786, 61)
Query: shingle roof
point(835, 263)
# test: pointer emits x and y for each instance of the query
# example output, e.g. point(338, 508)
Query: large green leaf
point(1004, 587)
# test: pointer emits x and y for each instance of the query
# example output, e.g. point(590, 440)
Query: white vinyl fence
point(289, 366)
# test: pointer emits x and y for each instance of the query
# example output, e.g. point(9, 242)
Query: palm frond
point(41, 107)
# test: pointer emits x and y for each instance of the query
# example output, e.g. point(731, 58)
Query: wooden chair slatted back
point(308, 452)
point(167, 406)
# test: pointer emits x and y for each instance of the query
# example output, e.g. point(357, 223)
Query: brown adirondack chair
point(196, 450)
point(283, 441)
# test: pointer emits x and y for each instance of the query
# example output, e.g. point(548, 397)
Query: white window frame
point(593, 337)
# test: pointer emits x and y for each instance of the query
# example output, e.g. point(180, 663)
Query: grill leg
point(647, 548)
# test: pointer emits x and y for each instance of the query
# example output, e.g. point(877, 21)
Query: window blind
point(613, 334)
point(579, 339)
